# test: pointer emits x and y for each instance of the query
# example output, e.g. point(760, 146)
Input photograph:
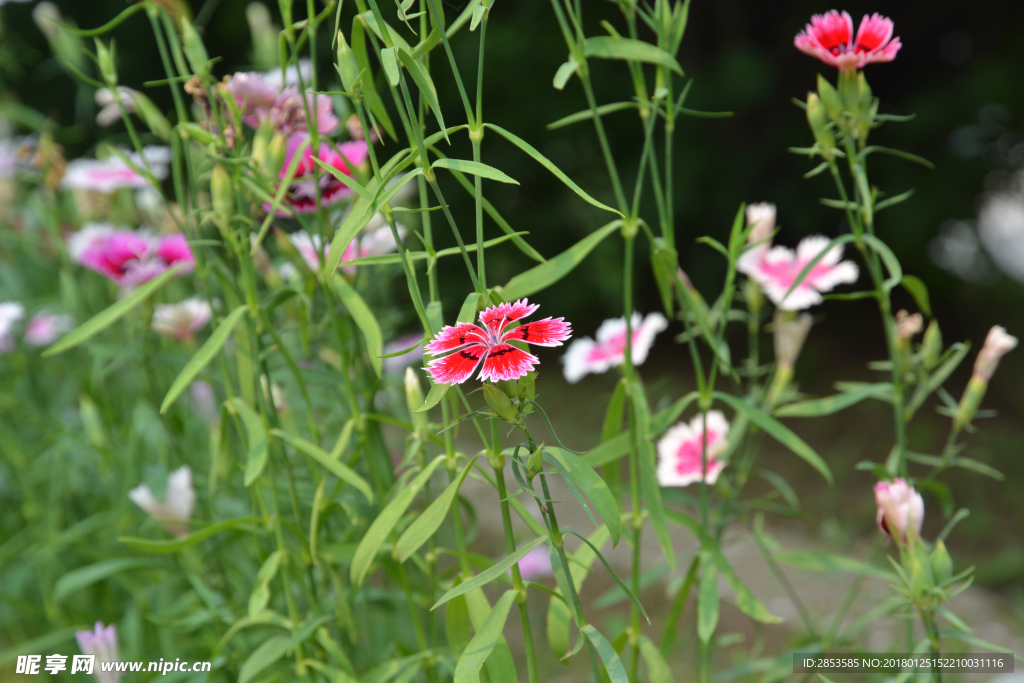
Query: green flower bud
point(348, 68)
point(414, 397)
point(105, 60)
point(500, 404)
point(817, 117)
point(942, 563)
point(830, 98)
point(222, 192)
point(535, 464)
point(194, 49)
point(931, 347)
point(276, 153)
point(193, 131)
point(261, 143)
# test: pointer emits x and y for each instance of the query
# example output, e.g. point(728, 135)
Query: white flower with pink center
point(127, 257)
point(681, 450)
point(609, 350)
point(174, 512)
point(114, 173)
point(44, 328)
point(777, 268)
point(183, 319)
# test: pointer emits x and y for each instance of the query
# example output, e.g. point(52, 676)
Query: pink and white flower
point(588, 356)
point(374, 243)
point(762, 218)
point(44, 328)
point(829, 37)
point(469, 343)
point(301, 194)
point(900, 509)
point(10, 313)
point(263, 97)
point(997, 344)
point(183, 319)
point(128, 258)
point(777, 268)
point(174, 512)
point(101, 642)
point(681, 450)
point(114, 173)
point(110, 111)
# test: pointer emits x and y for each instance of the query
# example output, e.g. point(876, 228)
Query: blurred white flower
point(1001, 229)
point(176, 510)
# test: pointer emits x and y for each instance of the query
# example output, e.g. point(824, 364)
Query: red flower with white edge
point(470, 343)
point(829, 37)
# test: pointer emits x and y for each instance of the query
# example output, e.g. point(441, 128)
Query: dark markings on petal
point(501, 352)
point(468, 355)
point(526, 331)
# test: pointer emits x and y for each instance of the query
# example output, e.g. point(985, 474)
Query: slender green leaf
point(564, 73)
point(265, 654)
point(546, 163)
point(173, 545)
point(588, 114)
point(468, 311)
point(424, 83)
point(335, 467)
point(365, 321)
point(474, 168)
point(496, 570)
point(467, 669)
point(707, 600)
point(424, 526)
point(609, 657)
point(108, 316)
point(434, 396)
point(500, 665)
point(581, 477)
point(919, 290)
point(816, 561)
point(256, 436)
point(546, 274)
point(629, 49)
point(658, 670)
point(78, 579)
point(390, 63)
point(202, 357)
point(777, 431)
point(831, 404)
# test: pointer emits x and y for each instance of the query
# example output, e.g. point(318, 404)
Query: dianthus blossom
point(129, 258)
point(776, 269)
point(681, 452)
point(609, 350)
point(830, 38)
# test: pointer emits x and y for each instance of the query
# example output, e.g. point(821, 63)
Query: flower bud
point(830, 98)
point(931, 346)
point(194, 49)
point(223, 194)
point(500, 403)
point(261, 143)
point(790, 332)
point(942, 563)
point(414, 397)
point(907, 325)
point(817, 117)
point(997, 344)
point(535, 464)
point(348, 68)
point(105, 61)
point(276, 153)
point(900, 510)
point(762, 219)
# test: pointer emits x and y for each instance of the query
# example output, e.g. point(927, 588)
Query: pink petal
point(455, 336)
point(457, 367)
point(506, 362)
point(546, 332)
point(495, 316)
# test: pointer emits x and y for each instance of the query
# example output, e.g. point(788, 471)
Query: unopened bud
point(907, 325)
point(762, 219)
point(997, 344)
point(535, 464)
point(414, 397)
point(942, 563)
point(790, 331)
point(105, 61)
point(222, 193)
point(261, 143)
point(500, 403)
point(276, 153)
point(931, 347)
point(348, 68)
point(193, 47)
point(193, 131)
point(817, 117)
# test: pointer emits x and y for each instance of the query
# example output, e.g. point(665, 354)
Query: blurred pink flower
point(308, 174)
point(113, 173)
point(469, 343)
point(101, 642)
point(535, 564)
point(10, 313)
point(762, 218)
point(680, 451)
point(395, 364)
point(174, 512)
point(183, 319)
point(588, 356)
point(900, 509)
point(829, 37)
point(997, 344)
point(263, 97)
point(44, 328)
point(373, 243)
point(777, 268)
point(126, 257)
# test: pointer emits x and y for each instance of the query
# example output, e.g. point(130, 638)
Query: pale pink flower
point(997, 344)
point(204, 400)
point(762, 218)
point(681, 450)
point(535, 564)
point(126, 257)
point(588, 356)
point(44, 328)
point(900, 509)
point(395, 364)
point(829, 37)
point(10, 313)
point(114, 173)
point(101, 642)
point(110, 111)
point(776, 269)
point(174, 512)
point(263, 97)
point(183, 319)
point(469, 343)
point(372, 243)
point(301, 194)
point(789, 335)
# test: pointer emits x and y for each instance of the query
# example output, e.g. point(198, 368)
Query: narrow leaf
point(491, 573)
point(467, 669)
point(365, 321)
point(609, 657)
point(474, 168)
point(629, 49)
point(173, 545)
point(335, 467)
point(203, 356)
point(546, 274)
point(830, 562)
point(78, 579)
point(424, 526)
point(579, 475)
point(707, 601)
point(268, 652)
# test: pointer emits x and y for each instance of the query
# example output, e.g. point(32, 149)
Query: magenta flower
point(470, 343)
point(588, 356)
point(174, 512)
point(44, 328)
point(535, 564)
point(10, 313)
point(777, 268)
point(183, 319)
point(681, 450)
point(126, 257)
point(829, 37)
point(301, 193)
point(900, 509)
point(263, 97)
point(102, 643)
point(114, 173)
